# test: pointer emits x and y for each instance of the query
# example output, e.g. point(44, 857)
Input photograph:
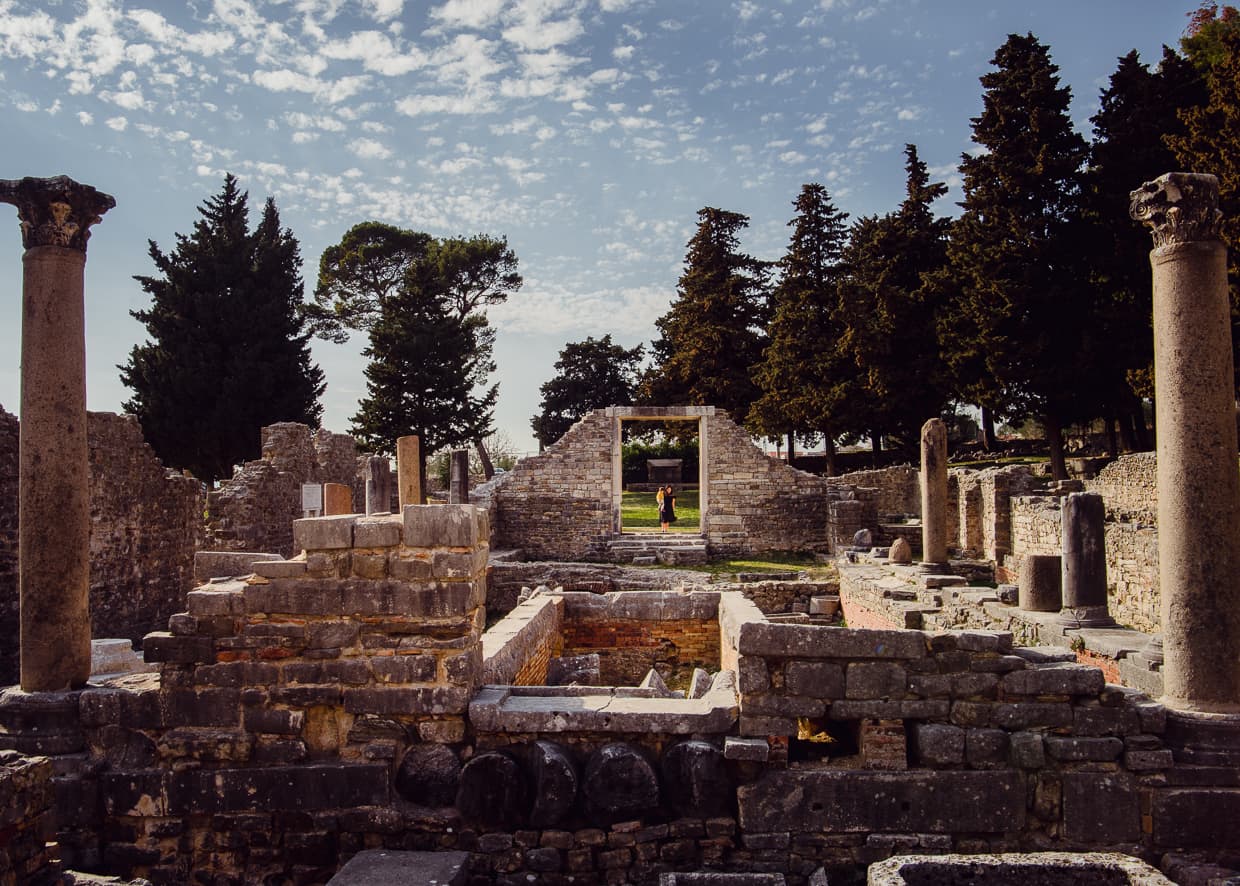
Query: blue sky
point(589, 132)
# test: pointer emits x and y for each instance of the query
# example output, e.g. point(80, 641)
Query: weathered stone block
point(916, 709)
point(280, 788)
point(812, 641)
point(160, 646)
point(280, 568)
point(206, 602)
point(938, 744)
point(1100, 808)
point(1027, 751)
point(619, 784)
point(986, 747)
point(429, 775)
point(696, 781)
point(1189, 818)
point(825, 801)
point(370, 566)
point(323, 533)
point(405, 567)
point(274, 721)
point(430, 700)
point(1032, 714)
point(771, 704)
point(1068, 748)
point(202, 707)
point(875, 680)
point(492, 790)
point(754, 676)
point(332, 634)
point(1059, 679)
point(819, 679)
point(433, 526)
point(320, 596)
point(404, 668)
point(372, 533)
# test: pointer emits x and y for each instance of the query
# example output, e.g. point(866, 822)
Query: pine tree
point(228, 352)
point(1211, 138)
point(888, 314)
point(1136, 111)
point(804, 380)
point(1010, 336)
point(590, 374)
point(713, 334)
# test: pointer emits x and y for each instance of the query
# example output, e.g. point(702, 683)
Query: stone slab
point(827, 801)
point(387, 867)
point(1064, 868)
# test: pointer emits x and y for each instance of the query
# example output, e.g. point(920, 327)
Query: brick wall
point(254, 510)
point(517, 649)
point(146, 522)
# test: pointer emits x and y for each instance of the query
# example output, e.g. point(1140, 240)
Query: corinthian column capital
point(1179, 207)
point(55, 211)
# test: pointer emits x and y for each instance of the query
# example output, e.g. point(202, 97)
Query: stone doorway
point(684, 488)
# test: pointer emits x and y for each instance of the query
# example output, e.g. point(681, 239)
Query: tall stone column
point(408, 471)
point(1198, 480)
point(54, 473)
point(934, 493)
point(458, 480)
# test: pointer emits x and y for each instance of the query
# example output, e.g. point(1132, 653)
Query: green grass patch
point(1003, 460)
point(772, 562)
point(640, 511)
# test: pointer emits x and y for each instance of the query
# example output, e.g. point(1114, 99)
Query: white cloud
point(792, 157)
point(476, 14)
point(370, 149)
point(376, 52)
point(27, 106)
point(622, 53)
point(130, 100)
point(117, 123)
point(416, 105)
point(383, 10)
point(614, 5)
point(85, 118)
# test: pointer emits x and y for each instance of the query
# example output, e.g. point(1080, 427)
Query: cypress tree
point(803, 376)
point(713, 333)
point(228, 352)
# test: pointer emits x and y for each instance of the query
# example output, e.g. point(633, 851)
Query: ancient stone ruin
point(342, 712)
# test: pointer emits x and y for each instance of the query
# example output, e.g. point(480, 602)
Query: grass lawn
point(771, 562)
point(638, 511)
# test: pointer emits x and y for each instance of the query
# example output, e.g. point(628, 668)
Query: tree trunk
point(1144, 439)
point(792, 448)
point(1127, 432)
point(488, 470)
point(828, 448)
point(988, 429)
point(1112, 441)
point(1054, 440)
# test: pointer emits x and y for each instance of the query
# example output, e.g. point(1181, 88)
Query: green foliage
point(803, 376)
point(1210, 141)
point(713, 334)
point(633, 457)
point(1015, 278)
point(228, 352)
point(590, 374)
point(887, 313)
point(430, 345)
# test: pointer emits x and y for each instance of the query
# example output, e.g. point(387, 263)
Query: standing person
point(658, 501)
point(667, 507)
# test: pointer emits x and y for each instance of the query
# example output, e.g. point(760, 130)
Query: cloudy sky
point(589, 132)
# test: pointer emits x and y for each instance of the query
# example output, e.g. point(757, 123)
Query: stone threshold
point(604, 709)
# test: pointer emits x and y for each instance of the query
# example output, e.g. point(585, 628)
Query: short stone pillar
point(934, 493)
point(409, 471)
point(337, 499)
point(53, 469)
point(1038, 583)
point(378, 485)
point(1084, 565)
point(458, 485)
point(1198, 484)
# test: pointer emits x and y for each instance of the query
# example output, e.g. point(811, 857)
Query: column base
point(929, 568)
point(1085, 617)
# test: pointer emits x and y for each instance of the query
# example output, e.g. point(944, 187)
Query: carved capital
point(1179, 207)
point(55, 211)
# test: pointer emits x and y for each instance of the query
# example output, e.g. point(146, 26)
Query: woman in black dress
point(667, 507)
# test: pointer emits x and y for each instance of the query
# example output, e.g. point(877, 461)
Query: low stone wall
point(26, 819)
point(517, 649)
point(506, 579)
point(1129, 487)
point(146, 522)
point(255, 509)
point(896, 489)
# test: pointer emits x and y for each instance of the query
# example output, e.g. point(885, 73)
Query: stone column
point(1198, 482)
point(1084, 567)
point(54, 473)
point(1039, 583)
point(378, 485)
point(458, 485)
point(934, 493)
point(408, 471)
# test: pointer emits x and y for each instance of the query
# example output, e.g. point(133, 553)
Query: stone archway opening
point(683, 466)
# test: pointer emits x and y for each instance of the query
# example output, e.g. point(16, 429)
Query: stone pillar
point(458, 486)
point(54, 473)
point(378, 485)
point(934, 493)
point(337, 499)
point(1198, 483)
point(1084, 566)
point(1038, 586)
point(408, 471)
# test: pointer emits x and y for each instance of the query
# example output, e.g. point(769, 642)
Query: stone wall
point(255, 509)
point(26, 820)
point(562, 503)
point(1129, 487)
point(896, 488)
point(146, 521)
